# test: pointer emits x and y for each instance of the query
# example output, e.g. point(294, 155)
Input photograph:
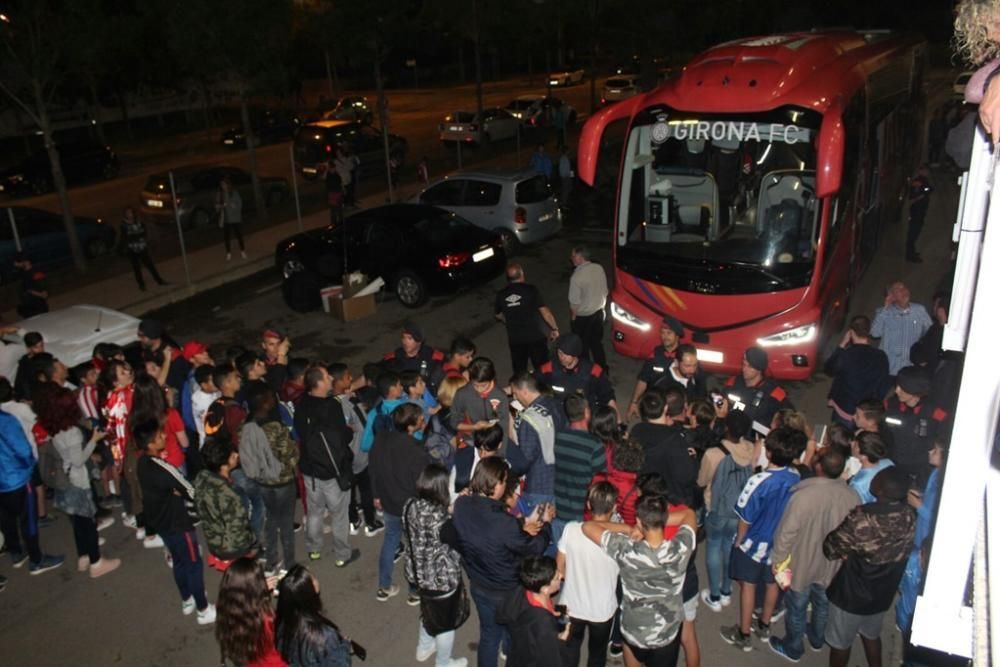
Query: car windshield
point(727, 202)
point(460, 117)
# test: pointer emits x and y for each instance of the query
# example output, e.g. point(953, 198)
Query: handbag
point(440, 611)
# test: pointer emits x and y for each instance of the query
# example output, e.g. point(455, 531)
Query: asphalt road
point(132, 617)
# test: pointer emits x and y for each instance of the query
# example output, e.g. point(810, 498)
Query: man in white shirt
point(588, 294)
point(589, 580)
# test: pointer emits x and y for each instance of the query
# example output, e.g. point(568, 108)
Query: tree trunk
point(59, 182)
point(478, 58)
point(258, 195)
point(96, 103)
point(383, 118)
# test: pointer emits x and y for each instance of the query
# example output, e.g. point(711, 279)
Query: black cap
point(151, 328)
point(673, 324)
point(914, 380)
point(757, 358)
point(412, 328)
point(570, 344)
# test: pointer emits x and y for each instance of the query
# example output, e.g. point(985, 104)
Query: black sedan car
point(417, 249)
point(42, 236)
point(269, 127)
point(81, 161)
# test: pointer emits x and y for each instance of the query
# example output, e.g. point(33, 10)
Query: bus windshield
point(719, 204)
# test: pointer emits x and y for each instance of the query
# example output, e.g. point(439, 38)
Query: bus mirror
point(592, 133)
point(830, 147)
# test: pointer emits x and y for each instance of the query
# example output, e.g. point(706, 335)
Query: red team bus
point(753, 190)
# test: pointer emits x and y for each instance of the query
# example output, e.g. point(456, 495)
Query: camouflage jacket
point(223, 515)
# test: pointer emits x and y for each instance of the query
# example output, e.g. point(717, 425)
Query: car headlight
point(803, 334)
point(628, 319)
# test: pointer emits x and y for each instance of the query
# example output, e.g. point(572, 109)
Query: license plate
point(614, 91)
point(554, 82)
point(308, 170)
point(482, 254)
point(455, 128)
point(228, 141)
point(154, 203)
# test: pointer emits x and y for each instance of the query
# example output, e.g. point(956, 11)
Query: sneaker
point(423, 656)
point(297, 527)
point(105, 523)
point(315, 555)
point(779, 648)
point(725, 599)
point(413, 599)
point(458, 662)
point(82, 563)
point(714, 605)
point(47, 563)
point(815, 649)
point(732, 635)
point(243, 254)
point(18, 558)
point(103, 566)
point(206, 616)
point(398, 554)
point(374, 528)
point(384, 594)
point(46, 520)
point(152, 542)
point(355, 527)
point(140, 534)
point(355, 554)
point(775, 617)
point(128, 520)
point(615, 650)
point(188, 606)
point(101, 541)
point(763, 631)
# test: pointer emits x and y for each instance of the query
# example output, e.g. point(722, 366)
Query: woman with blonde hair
point(440, 440)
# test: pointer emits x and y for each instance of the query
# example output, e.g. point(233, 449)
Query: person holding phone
point(59, 413)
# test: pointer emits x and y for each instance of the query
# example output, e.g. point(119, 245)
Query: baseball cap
point(192, 348)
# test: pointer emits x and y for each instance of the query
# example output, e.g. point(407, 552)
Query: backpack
point(727, 485)
point(382, 421)
point(52, 468)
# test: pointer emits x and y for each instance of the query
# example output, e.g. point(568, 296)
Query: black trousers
point(85, 537)
point(19, 521)
point(597, 642)
point(140, 259)
point(590, 328)
point(362, 499)
point(537, 351)
point(917, 218)
point(228, 229)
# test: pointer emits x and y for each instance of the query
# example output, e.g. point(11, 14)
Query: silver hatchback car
point(517, 204)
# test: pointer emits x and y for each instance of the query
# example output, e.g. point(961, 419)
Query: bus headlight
point(628, 319)
point(804, 334)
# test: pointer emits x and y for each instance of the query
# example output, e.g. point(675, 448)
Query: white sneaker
point(140, 534)
point(726, 600)
point(153, 542)
point(83, 564)
point(207, 615)
point(714, 605)
point(423, 656)
point(128, 520)
point(104, 523)
point(101, 541)
point(243, 253)
point(458, 662)
point(188, 606)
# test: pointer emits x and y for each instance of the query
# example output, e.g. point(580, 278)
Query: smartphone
point(718, 399)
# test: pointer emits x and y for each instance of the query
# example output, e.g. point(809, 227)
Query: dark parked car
point(317, 142)
point(43, 238)
point(197, 188)
point(417, 249)
point(81, 161)
point(269, 127)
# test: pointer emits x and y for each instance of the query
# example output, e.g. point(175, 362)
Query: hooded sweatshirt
point(742, 453)
point(534, 631)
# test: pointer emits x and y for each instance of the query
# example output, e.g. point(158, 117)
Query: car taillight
point(329, 148)
point(453, 260)
point(534, 120)
point(520, 216)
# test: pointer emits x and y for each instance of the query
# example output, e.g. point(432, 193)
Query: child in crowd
point(537, 628)
point(202, 398)
point(244, 626)
point(414, 388)
point(223, 514)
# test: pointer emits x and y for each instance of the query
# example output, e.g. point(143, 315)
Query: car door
point(446, 194)
point(481, 203)
point(384, 249)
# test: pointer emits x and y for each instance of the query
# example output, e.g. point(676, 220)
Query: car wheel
point(301, 291)
point(41, 185)
point(410, 288)
point(290, 265)
point(97, 247)
point(509, 240)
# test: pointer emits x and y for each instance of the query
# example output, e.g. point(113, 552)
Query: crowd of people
point(567, 523)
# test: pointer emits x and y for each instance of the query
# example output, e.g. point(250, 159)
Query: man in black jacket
point(667, 442)
point(325, 464)
point(395, 462)
point(859, 371)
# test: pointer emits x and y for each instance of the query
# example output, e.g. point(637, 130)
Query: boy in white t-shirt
point(202, 398)
point(589, 579)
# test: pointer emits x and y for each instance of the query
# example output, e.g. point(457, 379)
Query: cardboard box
point(348, 310)
point(354, 283)
point(329, 294)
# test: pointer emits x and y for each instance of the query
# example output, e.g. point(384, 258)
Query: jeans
point(597, 642)
point(363, 490)
point(719, 536)
point(280, 504)
point(85, 537)
point(909, 587)
point(795, 618)
point(188, 571)
point(19, 521)
point(327, 494)
point(393, 536)
point(250, 490)
point(444, 641)
point(491, 634)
